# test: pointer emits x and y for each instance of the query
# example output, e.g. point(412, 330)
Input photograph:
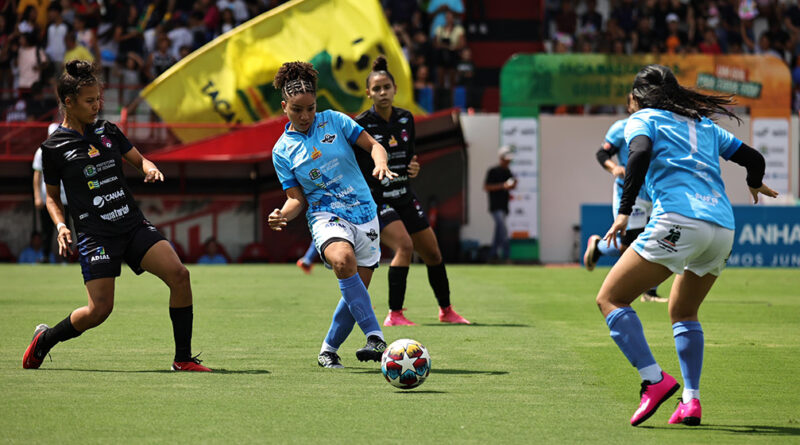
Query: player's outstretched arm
point(145, 166)
point(379, 156)
point(295, 203)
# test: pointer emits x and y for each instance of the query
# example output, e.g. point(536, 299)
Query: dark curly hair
point(655, 86)
point(380, 67)
point(77, 74)
point(295, 78)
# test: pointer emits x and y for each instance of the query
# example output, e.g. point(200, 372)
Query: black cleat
point(373, 350)
point(329, 359)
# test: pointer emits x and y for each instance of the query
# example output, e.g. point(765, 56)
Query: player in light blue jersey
point(615, 144)
point(316, 165)
point(674, 150)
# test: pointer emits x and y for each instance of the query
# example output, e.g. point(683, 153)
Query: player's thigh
point(427, 246)
point(688, 292)
point(629, 277)
point(395, 237)
point(340, 255)
point(100, 293)
point(162, 261)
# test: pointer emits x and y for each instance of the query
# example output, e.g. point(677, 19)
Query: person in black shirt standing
point(404, 226)
point(498, 182)
point(86, 155)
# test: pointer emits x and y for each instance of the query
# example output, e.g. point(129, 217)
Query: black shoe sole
point(663, 399)
point(691, 421)
point(364, 355)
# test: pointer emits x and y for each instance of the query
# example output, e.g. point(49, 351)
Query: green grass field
point(538, 366)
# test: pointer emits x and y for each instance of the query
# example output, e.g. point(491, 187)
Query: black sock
point(437, 277)
point(397, 287)
point(63, 331)
point(182, 331)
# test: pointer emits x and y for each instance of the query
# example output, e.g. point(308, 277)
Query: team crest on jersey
point(393, 142)
point(89, 171)
point(314, 174)
point(93, 151)
point(107, 142)
point(322, 124)
point(372, 235)
point(328, 139)
point(669, 242)
point(316, 153)
point(404, 135)
point(402, 120)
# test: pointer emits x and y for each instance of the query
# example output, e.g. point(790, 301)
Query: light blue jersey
point(324, 165)
point(684, 173)
point(616, 137)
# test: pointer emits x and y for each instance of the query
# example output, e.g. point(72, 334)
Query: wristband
point(59, 226)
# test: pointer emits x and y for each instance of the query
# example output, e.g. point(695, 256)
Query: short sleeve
point(616, 134)
point(124, 144)
point(37, 160)
point(284, 172)
point(350, 128)
point(637, 125)
point(727, 142)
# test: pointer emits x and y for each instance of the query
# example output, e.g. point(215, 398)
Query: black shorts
point(101, 257)
point(410, 212)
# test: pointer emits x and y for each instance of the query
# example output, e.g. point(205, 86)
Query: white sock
point(651, 373)
point(376, 333)
point(327, 348)
point(689, 394)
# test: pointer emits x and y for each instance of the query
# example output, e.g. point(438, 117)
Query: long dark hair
point(295, 78)
point(380, 67)
point(655, 86)
point(77, 74)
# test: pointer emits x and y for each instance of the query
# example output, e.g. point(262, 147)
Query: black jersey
point(397, 137)
point(90, 167)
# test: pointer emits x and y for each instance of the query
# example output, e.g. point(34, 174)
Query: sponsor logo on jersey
point(105, 165)
point(404, 135)
point(402, 120)
point(378, 137)
point(98, 130)
point(97, 184)
point(314, 174)
point(315, 154)
point(83, 216)
point(99, 256)
point(71, 155)
point(93, 151)
point(669, 242)
point(100, 201)
point(393, 141)
point(328, 138)
point(372, 125)
point(116, 213)
point(89, 171)
point(106, 141)
point(322, 124)
point(94, 185)
point(372, 235)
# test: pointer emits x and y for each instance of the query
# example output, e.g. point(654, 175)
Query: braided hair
point(380, 67)
point(77, 74)
point(295, 78)
point(655, 86)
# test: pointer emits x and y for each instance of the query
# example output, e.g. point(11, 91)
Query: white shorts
point(680, 243)
point(365, 238)
point(640, 212)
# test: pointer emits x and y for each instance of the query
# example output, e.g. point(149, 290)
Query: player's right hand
point(764, 190)
point(619, 227)
point(276, 220)
point(64, 242)
point(618, 171)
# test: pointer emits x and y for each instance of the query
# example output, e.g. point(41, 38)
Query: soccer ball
point(406, 363)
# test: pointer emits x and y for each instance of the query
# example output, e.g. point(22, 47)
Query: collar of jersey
point(391, 116)
point(295, 132)
point(70, 130)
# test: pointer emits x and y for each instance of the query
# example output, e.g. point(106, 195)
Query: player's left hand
point(154, 175)
point(382, 171)
point(618, 227)
point(413, 167)
point(764, 190)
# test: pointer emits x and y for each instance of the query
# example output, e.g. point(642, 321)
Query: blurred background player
point(39, 197)
point(499, 181)
point(404, 226)
point(615, 144)
point(306, 262)
point(87, 156)
point(689, 234)
point(317, 168)
point(211, 253)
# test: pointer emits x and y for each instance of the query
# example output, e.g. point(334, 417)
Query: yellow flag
point(229, 80)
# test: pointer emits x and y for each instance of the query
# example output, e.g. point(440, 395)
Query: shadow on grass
point(416, 391)
point(493, 325)
point(756, 430)
point(163, 371)
point(435, 371)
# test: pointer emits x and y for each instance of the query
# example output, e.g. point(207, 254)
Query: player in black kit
point(404, 226)
point(87, 156)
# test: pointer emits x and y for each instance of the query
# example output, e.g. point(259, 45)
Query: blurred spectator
point(437, 10)
point(709, 45)
point(766, 47)
point(9, 44)
point(211, 253)
point(624, 14)
point(238, 7)
point(19, 111)
point(28, 21)
point(200, 36)
point(57, 31)
point(566, 19)
point(448, 42)
point(643, 40)
point(562, 43)
point(591, 21)
point(31, 61)
point(227, 22)
point(465, 77)
point(86, 37)
point(132, 73)
point(160, 60)
point(422, 79)
point(212, 15)
point(405, 40)
point(183, 52)
point(180, 36)
point(128, 36)
point(40, 107)
point(33, 253)
point(75, 51)
point(67, 12)
point(676, 39)
point(401, 10)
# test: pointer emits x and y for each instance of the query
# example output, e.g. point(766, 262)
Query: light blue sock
point(689, 343)
point(627, 332)
point(311, 254)
point(609, 250)
point(341, 326)
point(355, 294)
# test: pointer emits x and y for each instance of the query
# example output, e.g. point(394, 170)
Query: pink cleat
point(396, 318)
point(306, 267)
point(449, 315)
point(687, 413)
point(588, 256)
point(653, 395)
